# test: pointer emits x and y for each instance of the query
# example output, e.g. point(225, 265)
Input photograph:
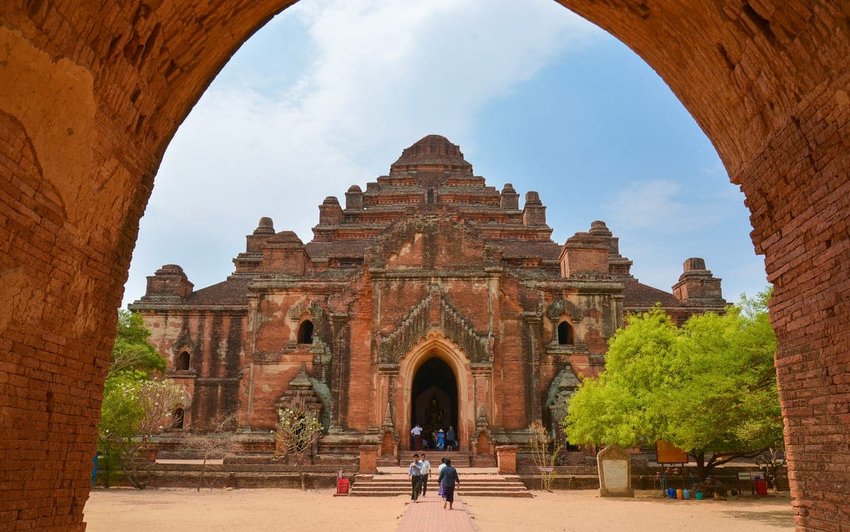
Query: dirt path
point(125, 510)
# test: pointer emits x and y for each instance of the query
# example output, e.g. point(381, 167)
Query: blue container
point(686, 494)
point(671, 493)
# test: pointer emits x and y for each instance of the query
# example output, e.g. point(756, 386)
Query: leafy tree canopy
point(132, 351)
point(136, 404)
point(709, 387)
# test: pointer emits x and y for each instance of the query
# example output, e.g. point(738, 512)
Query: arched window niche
point(565, 334)
point(305, 332)
point(184, 360)
point(177, 418)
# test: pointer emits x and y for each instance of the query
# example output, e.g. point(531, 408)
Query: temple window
point(177, 418)
point(305, 332)
point(430, 196)
point(565, 333)
point(183, 360)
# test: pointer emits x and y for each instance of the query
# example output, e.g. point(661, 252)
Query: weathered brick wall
point(214, 341)
point(93, 92)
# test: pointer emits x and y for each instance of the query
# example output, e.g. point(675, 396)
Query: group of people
point(440, 440)
point(419, 471)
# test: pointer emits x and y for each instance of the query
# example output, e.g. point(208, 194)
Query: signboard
point(667, 453)
point(743, 475)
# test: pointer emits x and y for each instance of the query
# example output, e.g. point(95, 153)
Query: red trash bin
point(761, 487)
point(342, 485)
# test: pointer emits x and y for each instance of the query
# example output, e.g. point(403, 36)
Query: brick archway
point(87, 110)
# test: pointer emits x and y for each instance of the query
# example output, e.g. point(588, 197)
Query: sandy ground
point(126, 510)
point(586, 511)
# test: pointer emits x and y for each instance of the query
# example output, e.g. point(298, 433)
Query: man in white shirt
point(416, 434)
point(424, 471)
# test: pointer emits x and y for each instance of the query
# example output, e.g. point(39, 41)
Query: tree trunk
point(702, 471)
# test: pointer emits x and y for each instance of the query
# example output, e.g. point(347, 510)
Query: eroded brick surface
point(767, 81)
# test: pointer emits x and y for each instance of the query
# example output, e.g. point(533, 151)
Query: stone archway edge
point(86, 112)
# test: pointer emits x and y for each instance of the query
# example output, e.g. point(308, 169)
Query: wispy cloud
point(662, 206)
point(379, 74)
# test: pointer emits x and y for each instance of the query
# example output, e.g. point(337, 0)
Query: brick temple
point(428, 298)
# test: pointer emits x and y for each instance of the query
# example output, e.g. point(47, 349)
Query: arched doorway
point(434, 399)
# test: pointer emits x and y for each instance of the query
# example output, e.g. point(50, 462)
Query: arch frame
point(766, 81)
point(436, 345)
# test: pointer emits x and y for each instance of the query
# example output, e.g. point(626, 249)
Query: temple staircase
point(459, 459)
point(482, 482)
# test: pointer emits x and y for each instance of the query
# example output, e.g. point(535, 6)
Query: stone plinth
point(506, 458)
point(368, 459)
point(615, 472)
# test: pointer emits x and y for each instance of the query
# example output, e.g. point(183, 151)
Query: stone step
point(459, 458)
point(478, 487)
point(466, 489)
point(472, 484)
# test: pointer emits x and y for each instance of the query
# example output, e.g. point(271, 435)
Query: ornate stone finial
point(301, 382)
point(694, 264)
point(697, 284)
point(598, 227)
point(509, 198)
point(388, 418)
point(265, 227)
point(532, 198)
point(168, 283)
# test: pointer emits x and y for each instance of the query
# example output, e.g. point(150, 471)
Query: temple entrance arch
point(434, 399)
point(436, 368)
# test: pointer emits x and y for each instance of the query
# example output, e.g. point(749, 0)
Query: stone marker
point(615, 472)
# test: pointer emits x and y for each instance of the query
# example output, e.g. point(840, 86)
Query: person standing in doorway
point(414, 474)
point(424, 472)
point(449, 481)
point(451, 442)
point(416, 434)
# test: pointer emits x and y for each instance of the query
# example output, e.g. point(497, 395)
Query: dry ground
point(258, 510)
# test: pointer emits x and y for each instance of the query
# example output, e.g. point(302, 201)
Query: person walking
point(449, 480)
point(413, 473)
point(424, 472)
point(440, 470)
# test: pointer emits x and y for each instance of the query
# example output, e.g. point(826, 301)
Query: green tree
point(137, 403)
point(709, 387)
point(132, 351)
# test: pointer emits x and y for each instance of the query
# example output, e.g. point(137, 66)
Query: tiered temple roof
point(432, 178)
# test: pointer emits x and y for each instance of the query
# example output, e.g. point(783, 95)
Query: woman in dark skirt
point(448, 480)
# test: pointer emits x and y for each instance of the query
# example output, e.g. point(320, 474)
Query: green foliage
point(132, 352)
point(709, 387)
point(135, 404)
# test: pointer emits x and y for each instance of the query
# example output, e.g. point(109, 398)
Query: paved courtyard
point(128, 510)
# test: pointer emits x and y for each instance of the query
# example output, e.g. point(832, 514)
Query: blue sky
point(329, 93)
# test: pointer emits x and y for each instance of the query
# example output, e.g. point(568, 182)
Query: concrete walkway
point(428, 515)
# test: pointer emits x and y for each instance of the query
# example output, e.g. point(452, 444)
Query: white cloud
point(660, 205)
point(380, 75)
